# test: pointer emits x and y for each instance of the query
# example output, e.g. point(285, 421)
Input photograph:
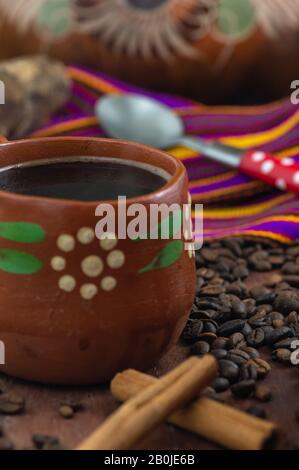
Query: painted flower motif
point(92, 266)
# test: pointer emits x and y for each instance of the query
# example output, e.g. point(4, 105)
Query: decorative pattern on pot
point(153, 28)
point(15, 261)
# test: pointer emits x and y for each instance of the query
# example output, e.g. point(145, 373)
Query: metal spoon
point(145, 120)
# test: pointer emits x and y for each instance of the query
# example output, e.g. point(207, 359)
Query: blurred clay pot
point(62, 321)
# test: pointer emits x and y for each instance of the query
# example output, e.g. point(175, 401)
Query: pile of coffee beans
point(235, 323)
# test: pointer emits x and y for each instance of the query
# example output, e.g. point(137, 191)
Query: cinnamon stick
point(143, 412)
point(208, 418)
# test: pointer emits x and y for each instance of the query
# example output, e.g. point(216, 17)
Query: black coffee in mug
point(82, 178)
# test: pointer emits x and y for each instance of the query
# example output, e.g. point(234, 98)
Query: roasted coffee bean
point(229, 370)
point(212, 290)
point(285, 344)
point(192, 331)
point(287, 302)
point(268, 331)
point(230, 327)
point(238, 356)
point(11, 404)
point(209, 254)
point(206, 304)
point(276, 261)
point(279, 334)
point(262, 295)
point(207, 337)
point(243, 389)
point(247, 329)
point(290, 268)
point(235, 340)
point(237, 288)
point(278, 323)
point(6, 444)
point(221, 384)
point(220, 343)
point(41, 441)
point(250, 305)
point(258, 411)
point(256, 338)
point(292, 280)
point(252, 352)
point(241, 272)
point(263, 393)
point(209, 327)
point(66, 412)
point(219, 353)
point(248, 372)
point(200, 348)
point(234, 246)
point(262, 367)
point(292, 318)
point(239, 308)
point(282, 355)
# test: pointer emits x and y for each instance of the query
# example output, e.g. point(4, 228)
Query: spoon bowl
point(141, 119)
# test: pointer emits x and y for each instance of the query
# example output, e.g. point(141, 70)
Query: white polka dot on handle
point(67, 283)
point(267, 167)
point(281, 184)
point(88, 291)
point(92, 266)
point(287, 162)
point(258, 156)
point(108, 283)
point(296, 177)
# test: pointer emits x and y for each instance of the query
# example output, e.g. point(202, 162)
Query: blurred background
point(215, 51)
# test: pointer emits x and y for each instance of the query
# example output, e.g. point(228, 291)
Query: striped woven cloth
point(234, 203)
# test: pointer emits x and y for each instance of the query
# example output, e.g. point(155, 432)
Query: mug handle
point(3, 139)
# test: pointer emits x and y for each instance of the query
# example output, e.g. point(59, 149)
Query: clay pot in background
point(63, 321)
point(212, 50)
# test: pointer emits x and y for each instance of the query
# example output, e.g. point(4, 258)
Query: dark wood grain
point(42, 403)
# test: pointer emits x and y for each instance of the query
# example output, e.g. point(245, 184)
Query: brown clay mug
point(77, 309)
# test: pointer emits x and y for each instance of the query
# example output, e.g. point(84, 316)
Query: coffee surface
point(82, 180)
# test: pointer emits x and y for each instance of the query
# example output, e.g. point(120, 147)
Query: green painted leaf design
point(168, 256)
point(167, 228)
point(236, 17)
point(55, 17)
point(22, 232)
point(18, 262)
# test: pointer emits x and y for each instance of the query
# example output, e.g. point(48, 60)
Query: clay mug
point(76, 309)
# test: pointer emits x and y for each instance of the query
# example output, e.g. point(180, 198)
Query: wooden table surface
point(42, 403)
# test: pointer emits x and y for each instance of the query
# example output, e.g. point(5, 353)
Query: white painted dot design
point(67, 283)
point(58, 263)
point(108, 283)
point(281, 184)
point(267, 167)
point(88, 291)
point(296, 177)
point(108, 241)
point(85, 235)
point(92, 266)
point(287, 162)
point(258, 156)
point(66, 243)
point(116, 259)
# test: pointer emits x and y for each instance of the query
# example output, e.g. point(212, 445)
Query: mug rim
point(172, 165)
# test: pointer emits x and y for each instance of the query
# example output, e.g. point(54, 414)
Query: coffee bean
point(285, 344)
point(221, 384)
point(268, 331)
point(248, 372)
point(247, 329)
point(192, 331)
point(238, 356)
point(256, 338)
point(279, 334)
point(263, 393)
point(210, 327)
point(6, 444)
point(262, 367)
point(257, 411)
point(292, 280)
point(282, 355)
point(252, 352)
point(207, 337)
point(290, 269)
point(243, 389)
point(241, 272)
point(209, 255)
point(236, 340)
point(229, 370)
point(212, 291)
point(219, 353)
point(292, 318)
point(262, 295)
point(287, 302)
point(230, 327)
point(66, 412)
point(220, 343)
point(278, 323)
point(11, 404)
point(42, 441)
point(200, 348)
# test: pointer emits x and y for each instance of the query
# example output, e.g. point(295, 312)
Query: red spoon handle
point(281, 173)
